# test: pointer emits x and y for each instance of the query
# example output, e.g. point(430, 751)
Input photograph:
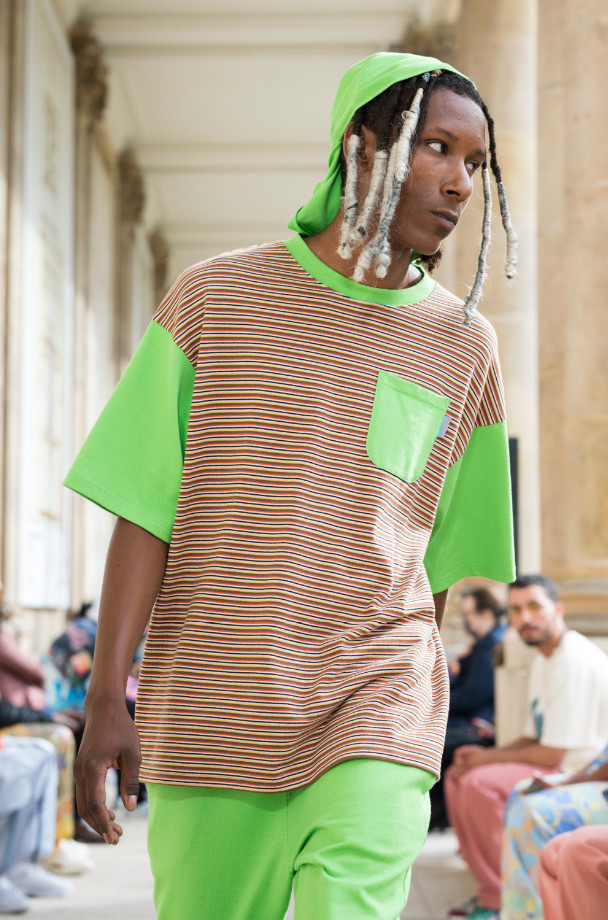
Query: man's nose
point(459, 182)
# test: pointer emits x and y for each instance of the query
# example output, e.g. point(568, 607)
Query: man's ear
point(367, 146)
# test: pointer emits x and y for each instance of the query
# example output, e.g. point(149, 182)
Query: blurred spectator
point(21, 677)
point(573, 875)
point(60, 729)
point(567, 725)
point(28, 803)
point(24, 713)
point(471, 715)
point(57, 716)
point(533, 819)
point(69, 661)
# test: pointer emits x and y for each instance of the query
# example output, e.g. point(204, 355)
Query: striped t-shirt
point(321, 456)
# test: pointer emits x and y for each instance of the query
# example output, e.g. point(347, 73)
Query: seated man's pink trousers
point(476, 807)
point(573, 875)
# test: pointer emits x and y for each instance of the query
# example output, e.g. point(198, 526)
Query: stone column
point(131, 199)
point(91, 97)
point(12, 158)
point(160, 255)
point(573, 311)
point(6, 30)
point(497, 49)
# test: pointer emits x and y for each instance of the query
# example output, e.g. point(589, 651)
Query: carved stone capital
point(91, 73)
point(131, 188)
point(438, 41)
point(160, 255)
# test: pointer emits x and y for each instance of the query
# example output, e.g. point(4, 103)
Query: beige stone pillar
point(6, 30)
point(160, 256)
point(91, 97)
point(497, 49)
point(12, 95)
point(573, 295)
point(131, 199)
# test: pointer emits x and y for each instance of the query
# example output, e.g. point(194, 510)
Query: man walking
point(294, 455)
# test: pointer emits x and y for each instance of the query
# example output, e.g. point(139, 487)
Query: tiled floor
point(439, 881)
point(120, 885)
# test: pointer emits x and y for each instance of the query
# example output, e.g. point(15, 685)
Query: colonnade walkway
point(120, 884)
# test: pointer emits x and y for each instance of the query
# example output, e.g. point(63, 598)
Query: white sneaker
point(69, 858)
point(32, 879)
point(12, 899)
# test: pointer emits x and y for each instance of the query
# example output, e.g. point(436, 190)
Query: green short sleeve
point(132, 461)
point(473, 531)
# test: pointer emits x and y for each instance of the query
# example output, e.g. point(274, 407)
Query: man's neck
point(548, 647)
point(400, 273)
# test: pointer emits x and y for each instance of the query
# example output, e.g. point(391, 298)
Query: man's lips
point(448, 218)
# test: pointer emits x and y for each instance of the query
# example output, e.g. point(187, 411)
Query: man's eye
point(473, 166)
point(439, 146)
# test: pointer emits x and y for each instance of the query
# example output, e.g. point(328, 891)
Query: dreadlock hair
point(396, 117)
point(351, 199)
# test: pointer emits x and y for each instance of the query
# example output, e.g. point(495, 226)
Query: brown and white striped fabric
point(295, 624)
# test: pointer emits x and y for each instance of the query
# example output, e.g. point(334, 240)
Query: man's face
point(534, 615)
point(451, 148)
point(476, 622)
point(468, 611)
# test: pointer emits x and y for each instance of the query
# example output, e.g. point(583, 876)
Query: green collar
point(306, 258)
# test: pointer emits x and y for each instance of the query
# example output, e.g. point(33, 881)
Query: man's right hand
point(133, 575)
point(110, 740)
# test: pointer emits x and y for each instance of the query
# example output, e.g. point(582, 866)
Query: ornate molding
point(160, 255)
point(91, 72)
point(126, 34)
point(440, 41)
point(131, 188)
point(258, 156)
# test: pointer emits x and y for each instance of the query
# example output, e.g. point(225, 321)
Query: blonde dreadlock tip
point(469, 309)
point(511, 260)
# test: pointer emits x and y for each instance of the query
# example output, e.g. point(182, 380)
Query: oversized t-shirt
point(568, 700)
point(322, 456)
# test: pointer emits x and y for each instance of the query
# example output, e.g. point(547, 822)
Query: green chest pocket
point(405, 422)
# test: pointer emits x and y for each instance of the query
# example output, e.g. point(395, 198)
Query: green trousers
point(345, 843)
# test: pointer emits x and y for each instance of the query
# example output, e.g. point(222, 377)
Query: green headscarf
point(361, 83)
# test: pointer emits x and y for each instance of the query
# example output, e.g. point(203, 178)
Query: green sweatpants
point(346, 843)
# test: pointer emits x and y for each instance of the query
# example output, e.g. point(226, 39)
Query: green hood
point(361, 83)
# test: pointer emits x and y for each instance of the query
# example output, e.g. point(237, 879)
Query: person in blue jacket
point(471, 714)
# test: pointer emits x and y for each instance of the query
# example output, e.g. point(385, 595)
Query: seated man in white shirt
point(566, 727)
